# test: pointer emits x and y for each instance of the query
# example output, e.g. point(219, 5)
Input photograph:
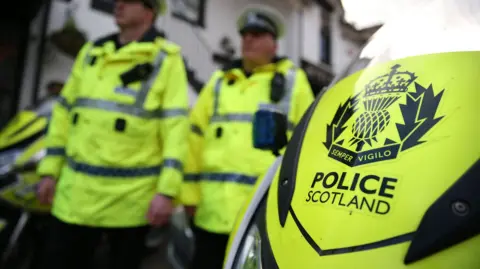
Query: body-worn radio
point(270, 124)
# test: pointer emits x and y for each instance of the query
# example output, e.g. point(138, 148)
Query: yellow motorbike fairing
point(23, 193)
point(25, 126)
point(248, 209)
point(380, 149)
point(33, 149)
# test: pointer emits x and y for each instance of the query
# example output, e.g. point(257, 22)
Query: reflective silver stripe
point(125, 91)
point(240, 117)
point(129, 109)
point(63, 102)
point(173, 112)
point(222, 177)
point(173, 163)
point(117, 172)
point(283, 106)
point(285, 103)
point(147, 85)
point(269, 107)
point(218, 86)
point(137, 108)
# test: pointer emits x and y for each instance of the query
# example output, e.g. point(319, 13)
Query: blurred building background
point(39, 43)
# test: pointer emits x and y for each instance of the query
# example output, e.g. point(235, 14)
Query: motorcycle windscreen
point(27, 126)
point(21, 131)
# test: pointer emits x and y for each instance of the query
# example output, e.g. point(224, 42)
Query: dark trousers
point(209, 249)
point(74, 247)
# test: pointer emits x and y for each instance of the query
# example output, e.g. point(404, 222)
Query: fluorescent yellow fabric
point(221, 171)
point(118, 150)
point(56, 138)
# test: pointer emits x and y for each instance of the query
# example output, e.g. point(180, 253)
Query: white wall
point(57, 66)
point(301, 40)
point(220, 21)
point(198, 43)
point(343, 50)
point(311, 34)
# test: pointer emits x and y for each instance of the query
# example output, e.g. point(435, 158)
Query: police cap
point(260, 20)
point(158, 6)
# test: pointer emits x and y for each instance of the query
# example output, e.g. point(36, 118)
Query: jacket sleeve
point(174, 126)
point(199, 118)
point(56, 138)
point(302, 98)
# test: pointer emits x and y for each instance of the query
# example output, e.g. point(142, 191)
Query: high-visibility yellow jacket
point(223, 165)
point(117, 137)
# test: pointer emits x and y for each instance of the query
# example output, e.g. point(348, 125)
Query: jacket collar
point(237, 63)
point(149, 36)
point(235, 69)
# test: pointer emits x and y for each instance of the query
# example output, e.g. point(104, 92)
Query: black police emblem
point(366, 142)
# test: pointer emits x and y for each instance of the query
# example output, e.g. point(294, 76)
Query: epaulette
point(170, 47)
point(101, 41)
point(284, 64)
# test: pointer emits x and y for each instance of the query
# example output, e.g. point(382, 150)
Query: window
point(191, 11)
point(325, 38)
point(326, 49)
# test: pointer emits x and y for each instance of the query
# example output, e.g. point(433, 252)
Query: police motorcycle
point(22, 218)
point(383, 169)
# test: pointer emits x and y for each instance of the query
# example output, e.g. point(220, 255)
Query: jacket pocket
point(117, 141)
point(216, 148)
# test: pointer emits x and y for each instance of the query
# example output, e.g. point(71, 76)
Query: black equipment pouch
point(277, 87)
point(137, 73)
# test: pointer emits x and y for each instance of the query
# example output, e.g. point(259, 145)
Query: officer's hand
point(190, 210)
point(46, 190)
point(160, 210)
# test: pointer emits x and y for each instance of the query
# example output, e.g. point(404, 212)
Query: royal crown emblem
point(353, 136)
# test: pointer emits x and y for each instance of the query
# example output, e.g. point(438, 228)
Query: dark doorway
point(319, 76)
point(14, 32)
point(13, 39)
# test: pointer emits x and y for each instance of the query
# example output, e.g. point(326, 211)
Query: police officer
point(115, 145)
point(223, 165)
